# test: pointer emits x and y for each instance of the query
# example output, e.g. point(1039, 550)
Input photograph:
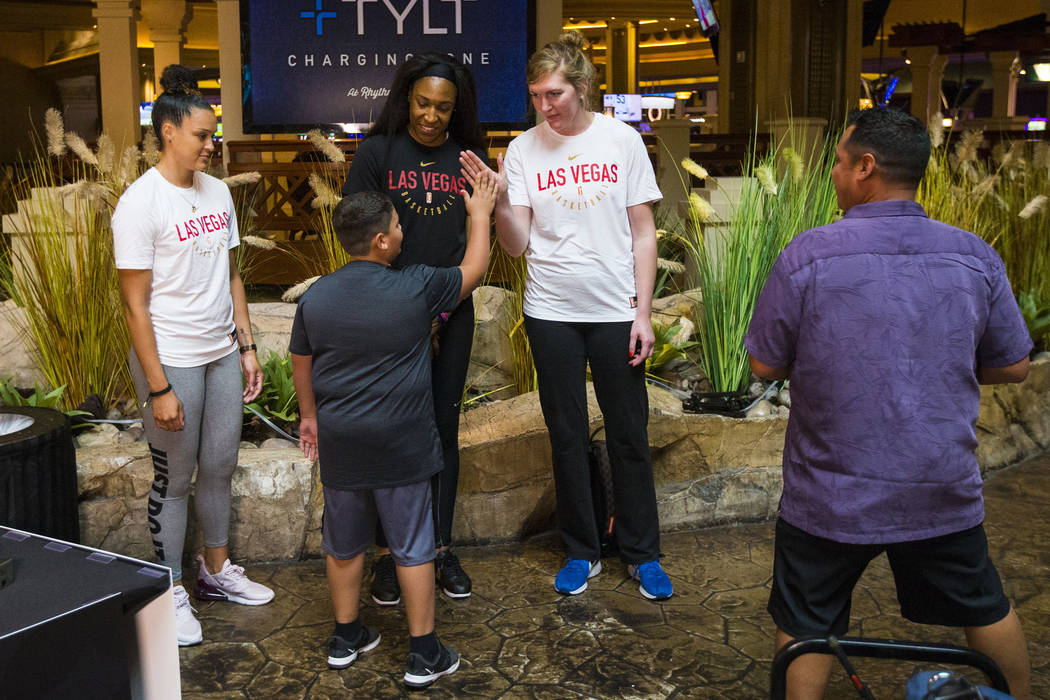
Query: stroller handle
point(882, 649)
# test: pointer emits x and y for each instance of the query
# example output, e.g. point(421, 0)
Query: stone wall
point(708, 470)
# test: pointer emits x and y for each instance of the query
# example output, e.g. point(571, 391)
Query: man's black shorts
point(947, 580)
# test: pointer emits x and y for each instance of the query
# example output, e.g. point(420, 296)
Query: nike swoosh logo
point(423, 165)
point(575, 156)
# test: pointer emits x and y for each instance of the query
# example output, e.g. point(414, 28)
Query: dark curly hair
point(464, 127)
point(180, 97)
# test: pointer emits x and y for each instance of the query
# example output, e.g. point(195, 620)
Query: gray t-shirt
point(367, 328)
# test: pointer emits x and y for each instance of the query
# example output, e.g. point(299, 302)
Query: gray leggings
point(211, 404)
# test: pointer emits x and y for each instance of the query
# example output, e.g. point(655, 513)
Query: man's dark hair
point(359, 217)
point(899, 142)
point(464, 127)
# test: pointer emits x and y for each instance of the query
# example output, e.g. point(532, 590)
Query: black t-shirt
point(367, 327)
point(424, 182)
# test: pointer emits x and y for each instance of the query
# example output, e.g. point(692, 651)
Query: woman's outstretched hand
point(473, 167)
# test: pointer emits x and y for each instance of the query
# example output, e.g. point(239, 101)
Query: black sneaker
point(453, 579)
point(342, 653)
point(420, 672)
point(385, 589)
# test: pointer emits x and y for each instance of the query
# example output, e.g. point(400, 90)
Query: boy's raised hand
point(486, 189)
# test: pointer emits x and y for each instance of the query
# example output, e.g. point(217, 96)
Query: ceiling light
point(648, 21)
point(597, 25)
point(1042, 72)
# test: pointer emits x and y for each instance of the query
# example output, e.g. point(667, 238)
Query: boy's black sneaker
point(342, 653)
point(453, 579)
point(385, 589)
point(421, 672)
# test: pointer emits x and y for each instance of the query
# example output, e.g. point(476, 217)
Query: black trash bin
point(38, 472)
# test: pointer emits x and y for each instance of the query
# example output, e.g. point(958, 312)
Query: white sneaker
point(230, 584)
point(187, 628)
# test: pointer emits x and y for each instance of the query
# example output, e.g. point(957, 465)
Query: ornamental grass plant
point(62, 272)
point(1002, 199)
point(780, 197)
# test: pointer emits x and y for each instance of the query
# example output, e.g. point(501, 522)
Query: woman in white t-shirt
point(576, 195)
point(174, 231)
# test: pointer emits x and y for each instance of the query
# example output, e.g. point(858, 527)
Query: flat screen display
point(705, 14)
point(626, 108)
point(326, 63)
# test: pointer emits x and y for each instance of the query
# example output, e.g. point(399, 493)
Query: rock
point(667, 310)
point(784, 397)
point(101, 434)
point(16, 355)
point(783, 411)
point(1041, 356)
point(245, 445)
point(762, 409)
point(271, 327)
point(114, 414)
point(708, 470)
point(133, 433)
point(277, 443)
point(756, 389)
point(492, 357)
point(271, 492)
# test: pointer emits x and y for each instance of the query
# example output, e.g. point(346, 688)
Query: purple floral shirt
point(883, 318)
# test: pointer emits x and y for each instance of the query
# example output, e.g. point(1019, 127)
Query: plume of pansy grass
point(56, 132)
point(80, 148)
point(129, 166)
point(325, 195)
point(332, 152)
point(241, 179)
point(292, 294)
point(695, 169)
point(1037, 205)
point(150, 149)
point(105, 154)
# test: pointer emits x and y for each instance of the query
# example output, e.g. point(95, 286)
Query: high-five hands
point(473, 167)
point(486, 189)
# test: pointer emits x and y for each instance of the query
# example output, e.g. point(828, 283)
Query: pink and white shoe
point(187, 628)
point(230, 584)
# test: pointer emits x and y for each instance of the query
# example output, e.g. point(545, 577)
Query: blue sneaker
point(653, 582)
point(572, 579)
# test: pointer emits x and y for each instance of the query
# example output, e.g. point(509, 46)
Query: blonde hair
point(565, 55)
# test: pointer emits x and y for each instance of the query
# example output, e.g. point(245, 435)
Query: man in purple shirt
point(886, 322)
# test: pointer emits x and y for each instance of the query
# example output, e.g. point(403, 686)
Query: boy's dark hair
point(464, 127)
point(359, 217)
point(180, 97)
point(899, 142)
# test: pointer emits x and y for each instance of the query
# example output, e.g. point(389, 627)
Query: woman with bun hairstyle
point(576, 194)
point(174, 231)
point(411, 154)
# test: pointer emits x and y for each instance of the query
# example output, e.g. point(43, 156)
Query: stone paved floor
point(520, 639)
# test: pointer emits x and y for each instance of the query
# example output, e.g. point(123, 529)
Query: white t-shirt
point(184, 235)
point(580, 259)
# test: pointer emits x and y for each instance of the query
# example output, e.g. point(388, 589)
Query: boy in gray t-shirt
point(361, 363)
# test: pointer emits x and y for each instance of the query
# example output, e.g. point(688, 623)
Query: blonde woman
point(174, 231)
point(576, 194)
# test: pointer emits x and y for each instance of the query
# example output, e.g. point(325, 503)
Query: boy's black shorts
point(947, 580)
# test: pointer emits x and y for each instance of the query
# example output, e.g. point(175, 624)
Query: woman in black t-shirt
point(412, 154)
